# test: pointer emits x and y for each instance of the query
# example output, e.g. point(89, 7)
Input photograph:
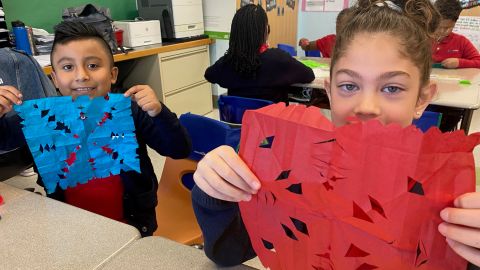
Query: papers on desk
point(321, 73)
point(43, 59)
point(445, 77)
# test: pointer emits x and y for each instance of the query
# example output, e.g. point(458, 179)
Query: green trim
point(218, 35)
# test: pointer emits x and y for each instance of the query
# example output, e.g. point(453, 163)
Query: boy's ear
point(114, 73)
point(426, 95)
point(54, 78)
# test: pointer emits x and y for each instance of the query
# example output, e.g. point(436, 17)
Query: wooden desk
point(143, 51)
point(40, 233)
point(160, 253)
point(450, 94)
point(174, 71)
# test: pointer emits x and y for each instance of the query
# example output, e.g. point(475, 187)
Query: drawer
point(183, 69)
point(196, 99)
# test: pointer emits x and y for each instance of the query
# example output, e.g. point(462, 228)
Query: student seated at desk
point(452, 50)
point(393, 86)
point(326, 43)
point(83, 65)
point(249, 68)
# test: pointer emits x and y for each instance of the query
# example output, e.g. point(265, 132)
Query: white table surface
point(41, 233)
point(159, 253)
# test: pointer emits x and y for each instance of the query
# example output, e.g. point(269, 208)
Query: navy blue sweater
point(273, 80)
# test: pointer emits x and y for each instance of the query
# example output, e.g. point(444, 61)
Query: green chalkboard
point(47, 13)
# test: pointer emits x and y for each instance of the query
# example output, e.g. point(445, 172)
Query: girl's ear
point(426, 95)
point(326, 84)
point(114, 73)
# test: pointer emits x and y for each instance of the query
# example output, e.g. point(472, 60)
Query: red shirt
point(325, 45)
point(102, 196)
point(456, 46)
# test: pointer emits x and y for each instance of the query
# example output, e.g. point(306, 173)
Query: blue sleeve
point(226, 239)
point(163, 133)
point(11, 135)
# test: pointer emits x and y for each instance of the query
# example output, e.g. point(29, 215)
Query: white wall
point(314, 25)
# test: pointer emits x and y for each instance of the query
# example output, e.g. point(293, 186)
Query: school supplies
point(361, 196)
point(76, 141)
point(314, 64)
point(466, 82)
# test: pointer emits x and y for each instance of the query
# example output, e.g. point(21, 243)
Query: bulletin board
point(282, 17)
point(469, 25)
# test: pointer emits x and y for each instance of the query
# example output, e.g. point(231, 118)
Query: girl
point(380, 69)
point(249, 68)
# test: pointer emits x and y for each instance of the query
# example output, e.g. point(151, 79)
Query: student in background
point(452, 50)
point(326, 43)
point(391, 85)
point(249, 68)
point(83, 64)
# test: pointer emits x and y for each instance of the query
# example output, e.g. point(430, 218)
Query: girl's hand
point(9, 96)
point(223, 175)
point(462, 226)
point(145, 98)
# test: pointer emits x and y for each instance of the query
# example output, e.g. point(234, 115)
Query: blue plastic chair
point(429, 119)
point(232, 108)
point(288, 48)
point(207, 134)
point(315, 53)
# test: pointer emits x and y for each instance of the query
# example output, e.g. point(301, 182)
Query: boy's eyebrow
point(66, 58)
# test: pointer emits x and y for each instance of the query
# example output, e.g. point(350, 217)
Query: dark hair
point(412, 22)
point(449, 9)
point(248, 33)
point(68, 31)
point(342, 19)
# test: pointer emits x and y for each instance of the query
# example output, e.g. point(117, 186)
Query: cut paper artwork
point(73, 141)
point(361, 196)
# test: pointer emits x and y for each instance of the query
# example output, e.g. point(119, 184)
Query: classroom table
point(37, 232)
point(451, 93)
point(160, 253)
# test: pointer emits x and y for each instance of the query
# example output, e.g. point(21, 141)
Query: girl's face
point(372, 80)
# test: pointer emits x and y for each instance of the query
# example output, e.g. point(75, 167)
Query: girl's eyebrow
point(386, 75)
point(391, 74)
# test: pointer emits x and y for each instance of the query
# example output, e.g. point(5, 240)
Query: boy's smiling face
point(83, 67)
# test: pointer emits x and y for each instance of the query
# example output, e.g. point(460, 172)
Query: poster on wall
point(217, 17)
point(468, 26)
point(469, 3)
point(324, 5)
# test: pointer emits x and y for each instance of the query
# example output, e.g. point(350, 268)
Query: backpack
point(97, 17)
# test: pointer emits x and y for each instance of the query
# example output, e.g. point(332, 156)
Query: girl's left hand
point(450, 63)
point(462, 226)
point(145, 98)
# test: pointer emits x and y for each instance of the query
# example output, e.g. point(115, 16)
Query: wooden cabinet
point(177, 78)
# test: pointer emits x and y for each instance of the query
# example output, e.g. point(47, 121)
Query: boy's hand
point(450, 63)
point(145, 98)
point(9, 95)
point(304, 43)
point(462, 226)
point(223, 175)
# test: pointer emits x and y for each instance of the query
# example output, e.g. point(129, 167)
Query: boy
point(452, 50)
point(326, 43)
point(83, 65)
